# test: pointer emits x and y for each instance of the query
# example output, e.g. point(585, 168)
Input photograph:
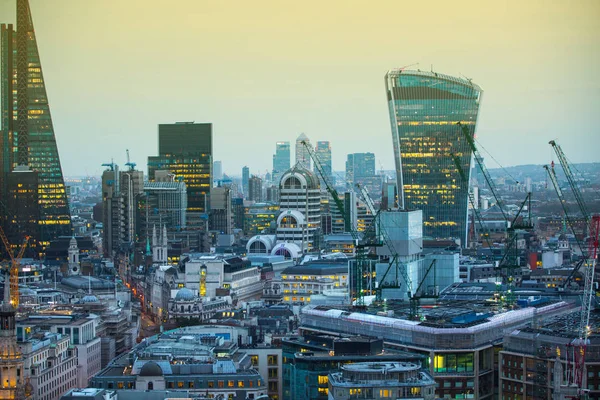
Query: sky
point(265, 71)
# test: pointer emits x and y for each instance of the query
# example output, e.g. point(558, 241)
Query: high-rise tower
point(302, 155)
point(185, 149)
point(425, 108)
point(281, 160)
point(323, 153)
point(27, 131)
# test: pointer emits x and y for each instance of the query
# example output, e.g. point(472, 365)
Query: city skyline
point(532, 61)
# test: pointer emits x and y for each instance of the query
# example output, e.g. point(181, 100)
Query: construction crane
point(381, 233)
point(130, 164)
point(554, 180)
point(590, 255)
point(580, 344)
point(484, 171)
point(356, 287)
point(474, 207)
point(571, 179)
point(14, 268)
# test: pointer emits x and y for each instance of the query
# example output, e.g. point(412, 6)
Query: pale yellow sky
point(264, 71)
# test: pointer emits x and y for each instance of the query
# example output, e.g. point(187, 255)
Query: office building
point(22, 208)
point(281, 160)
point(425, 109)
point(185, 149)
point(260, 218)
point(302, 155)
point(468, 364)
point(217, 171)
point(200, 360)
point(221, 213)
point(323, 153)
point(358, 166)
point(299, 221)
point(339, 224)
point(255, 188)
point(162, 203)
point(246, 181)
point(27, 132)
point(397, 380)
point(310, 358)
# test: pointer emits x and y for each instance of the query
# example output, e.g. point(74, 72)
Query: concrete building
point(199, 360)
point(268, 361)
point(300, 282)
point(460, 339)
point(398, 380)
point(12, 366)
point(255, 189)
point(221, 213)
point(300, 217)
point(260, 218)
point(80, 329)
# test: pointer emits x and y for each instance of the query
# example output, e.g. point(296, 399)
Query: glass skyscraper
point(323, 153)
point(27, 130)
point(185, 149)
point(425, 109)
point(281, 160)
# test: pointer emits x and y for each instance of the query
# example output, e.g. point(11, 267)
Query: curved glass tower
point(425, 109)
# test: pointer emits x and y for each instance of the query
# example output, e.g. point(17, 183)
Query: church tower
point(74, 268)
point(11, 360)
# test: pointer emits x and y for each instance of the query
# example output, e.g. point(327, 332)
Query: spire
point(164, 238)
point(6, 304)
point(154, 236)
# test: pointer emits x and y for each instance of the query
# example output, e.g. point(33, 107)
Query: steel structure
point(356, 286)
point(14, 268)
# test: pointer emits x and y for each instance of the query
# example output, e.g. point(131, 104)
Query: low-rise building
point(300, 282)
point(396, 380)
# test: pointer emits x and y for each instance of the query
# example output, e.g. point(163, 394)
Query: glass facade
point(185, 149)
point(425, 109)
point(323, 153)
point(281, 160)
point(27, 125)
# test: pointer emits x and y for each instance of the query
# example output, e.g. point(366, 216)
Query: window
point(240, 384)
point(273, 386)
point(180, 384)
point(273, 372)
point(385, 393)
point(221, 384)
point(191, 385)
point(254, 359)
point(171, 385)
point(230, 384)
point(323, 379)
point(120, 385)
point(272, 359)
point(211, 384)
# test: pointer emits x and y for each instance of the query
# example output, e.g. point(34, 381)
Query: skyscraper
point(246, 181)
point(217, 170)
point(281, 160)
point(302, 155)
point(359, 165)
point(185, 149)
point(27, 131)
point(255, 184)
point(323, 153)
point(425, 108)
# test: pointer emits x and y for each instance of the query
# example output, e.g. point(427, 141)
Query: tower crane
point(130, 164)
point(590, 255)
point(484, 171)
point(356, 287)
point(14, 268)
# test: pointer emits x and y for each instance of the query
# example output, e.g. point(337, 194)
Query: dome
point(151, 369)
point(299, 177)
point(185, 294)
point(90, 298)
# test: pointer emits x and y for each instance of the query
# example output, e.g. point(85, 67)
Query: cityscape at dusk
point(299, 201)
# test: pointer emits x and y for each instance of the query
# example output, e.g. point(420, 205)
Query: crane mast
point(14, 268)
point(357, 282)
